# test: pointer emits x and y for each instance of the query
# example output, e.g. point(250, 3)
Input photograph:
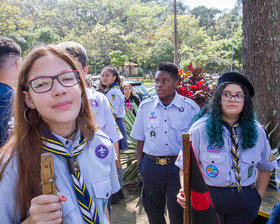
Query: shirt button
point(253, 162)
point(165, 132)
point(165, 108)
point(232, 167)
point(212, 161)
point(166, 144)
point(165, 120)
point(107, 195)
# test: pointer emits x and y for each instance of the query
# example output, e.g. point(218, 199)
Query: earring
point(25, 116)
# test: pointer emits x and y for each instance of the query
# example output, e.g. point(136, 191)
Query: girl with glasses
point(232, 150)
point(52, 114)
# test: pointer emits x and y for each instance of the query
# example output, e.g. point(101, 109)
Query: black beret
point(236, 78)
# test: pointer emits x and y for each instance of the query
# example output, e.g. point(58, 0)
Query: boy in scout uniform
point(158, 128)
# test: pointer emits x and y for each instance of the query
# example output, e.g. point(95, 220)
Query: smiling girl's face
point(60, 106)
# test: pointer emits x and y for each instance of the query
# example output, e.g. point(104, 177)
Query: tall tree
point(176, 61)
point(206, 16)
point(261, 57)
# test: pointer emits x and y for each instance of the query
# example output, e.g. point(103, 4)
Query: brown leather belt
point(162, 160)
point(249, 186)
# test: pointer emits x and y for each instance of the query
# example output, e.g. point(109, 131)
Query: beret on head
point(236, 78)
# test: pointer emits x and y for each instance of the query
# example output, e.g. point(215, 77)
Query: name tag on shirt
point(213, 156)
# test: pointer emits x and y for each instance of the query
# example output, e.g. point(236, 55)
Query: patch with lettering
point(153, 116)
point(101, 151)
point(113, 97)
point(211, 149)
point(212, 171)
point(213, 156)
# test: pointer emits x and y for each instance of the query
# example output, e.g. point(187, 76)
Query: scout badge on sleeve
point(101, 151)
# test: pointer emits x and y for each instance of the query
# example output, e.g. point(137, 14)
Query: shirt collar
point(66, 141)
point(176, 101)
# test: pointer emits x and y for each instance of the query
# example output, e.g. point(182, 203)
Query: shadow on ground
point(129, 210)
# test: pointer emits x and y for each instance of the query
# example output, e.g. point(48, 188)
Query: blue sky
point(220, 4)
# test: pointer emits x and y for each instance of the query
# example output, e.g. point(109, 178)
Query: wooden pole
point(47, 174)
point(187, 173)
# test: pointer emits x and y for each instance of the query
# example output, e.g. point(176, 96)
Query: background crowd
point(48, 105)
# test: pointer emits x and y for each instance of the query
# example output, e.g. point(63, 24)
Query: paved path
point(130, 210)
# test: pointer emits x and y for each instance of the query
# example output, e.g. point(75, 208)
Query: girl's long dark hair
point(114, 73)
point(26, 143)
point(214, 126)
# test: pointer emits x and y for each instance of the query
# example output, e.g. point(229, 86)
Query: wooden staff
point(187, 173)
point(47, 174)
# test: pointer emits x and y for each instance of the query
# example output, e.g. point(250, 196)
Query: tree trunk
point(261, 59)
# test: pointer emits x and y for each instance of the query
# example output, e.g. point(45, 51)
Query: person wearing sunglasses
point(232, 151)
point(52, 114)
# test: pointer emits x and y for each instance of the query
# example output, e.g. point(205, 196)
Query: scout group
point(47, 107)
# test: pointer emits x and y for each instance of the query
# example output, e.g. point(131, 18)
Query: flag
point(202, 208)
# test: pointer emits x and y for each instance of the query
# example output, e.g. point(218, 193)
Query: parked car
point(152, 91)
point(137, 87)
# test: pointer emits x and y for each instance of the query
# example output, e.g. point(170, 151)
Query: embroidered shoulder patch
point(101, 151)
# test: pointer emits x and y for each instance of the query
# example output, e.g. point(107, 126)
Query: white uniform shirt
point(161, 127)
point(99, 173)
point(216, 164)
point(104, 118)
point(116, 98)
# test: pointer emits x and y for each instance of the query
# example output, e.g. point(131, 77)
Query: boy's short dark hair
point(75, 50)
point(169, 67)
point(8, 49)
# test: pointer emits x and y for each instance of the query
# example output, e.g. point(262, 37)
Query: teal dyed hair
point(214, 126)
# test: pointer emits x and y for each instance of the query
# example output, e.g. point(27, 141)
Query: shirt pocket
point(249, 159)
point(68, 206)
point(178, 128)
point(215, 168)
point(102, 191)
point(152, 132)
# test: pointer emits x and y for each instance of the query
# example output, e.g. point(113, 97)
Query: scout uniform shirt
point(216, 164)
point(161, 127)
point(103, 119)
point(116, 98)
point(97, 165)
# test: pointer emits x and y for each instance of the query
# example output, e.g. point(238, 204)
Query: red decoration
point(193, 84)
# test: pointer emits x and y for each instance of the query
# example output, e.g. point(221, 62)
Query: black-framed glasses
point(45, 83)
point(239, 97)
